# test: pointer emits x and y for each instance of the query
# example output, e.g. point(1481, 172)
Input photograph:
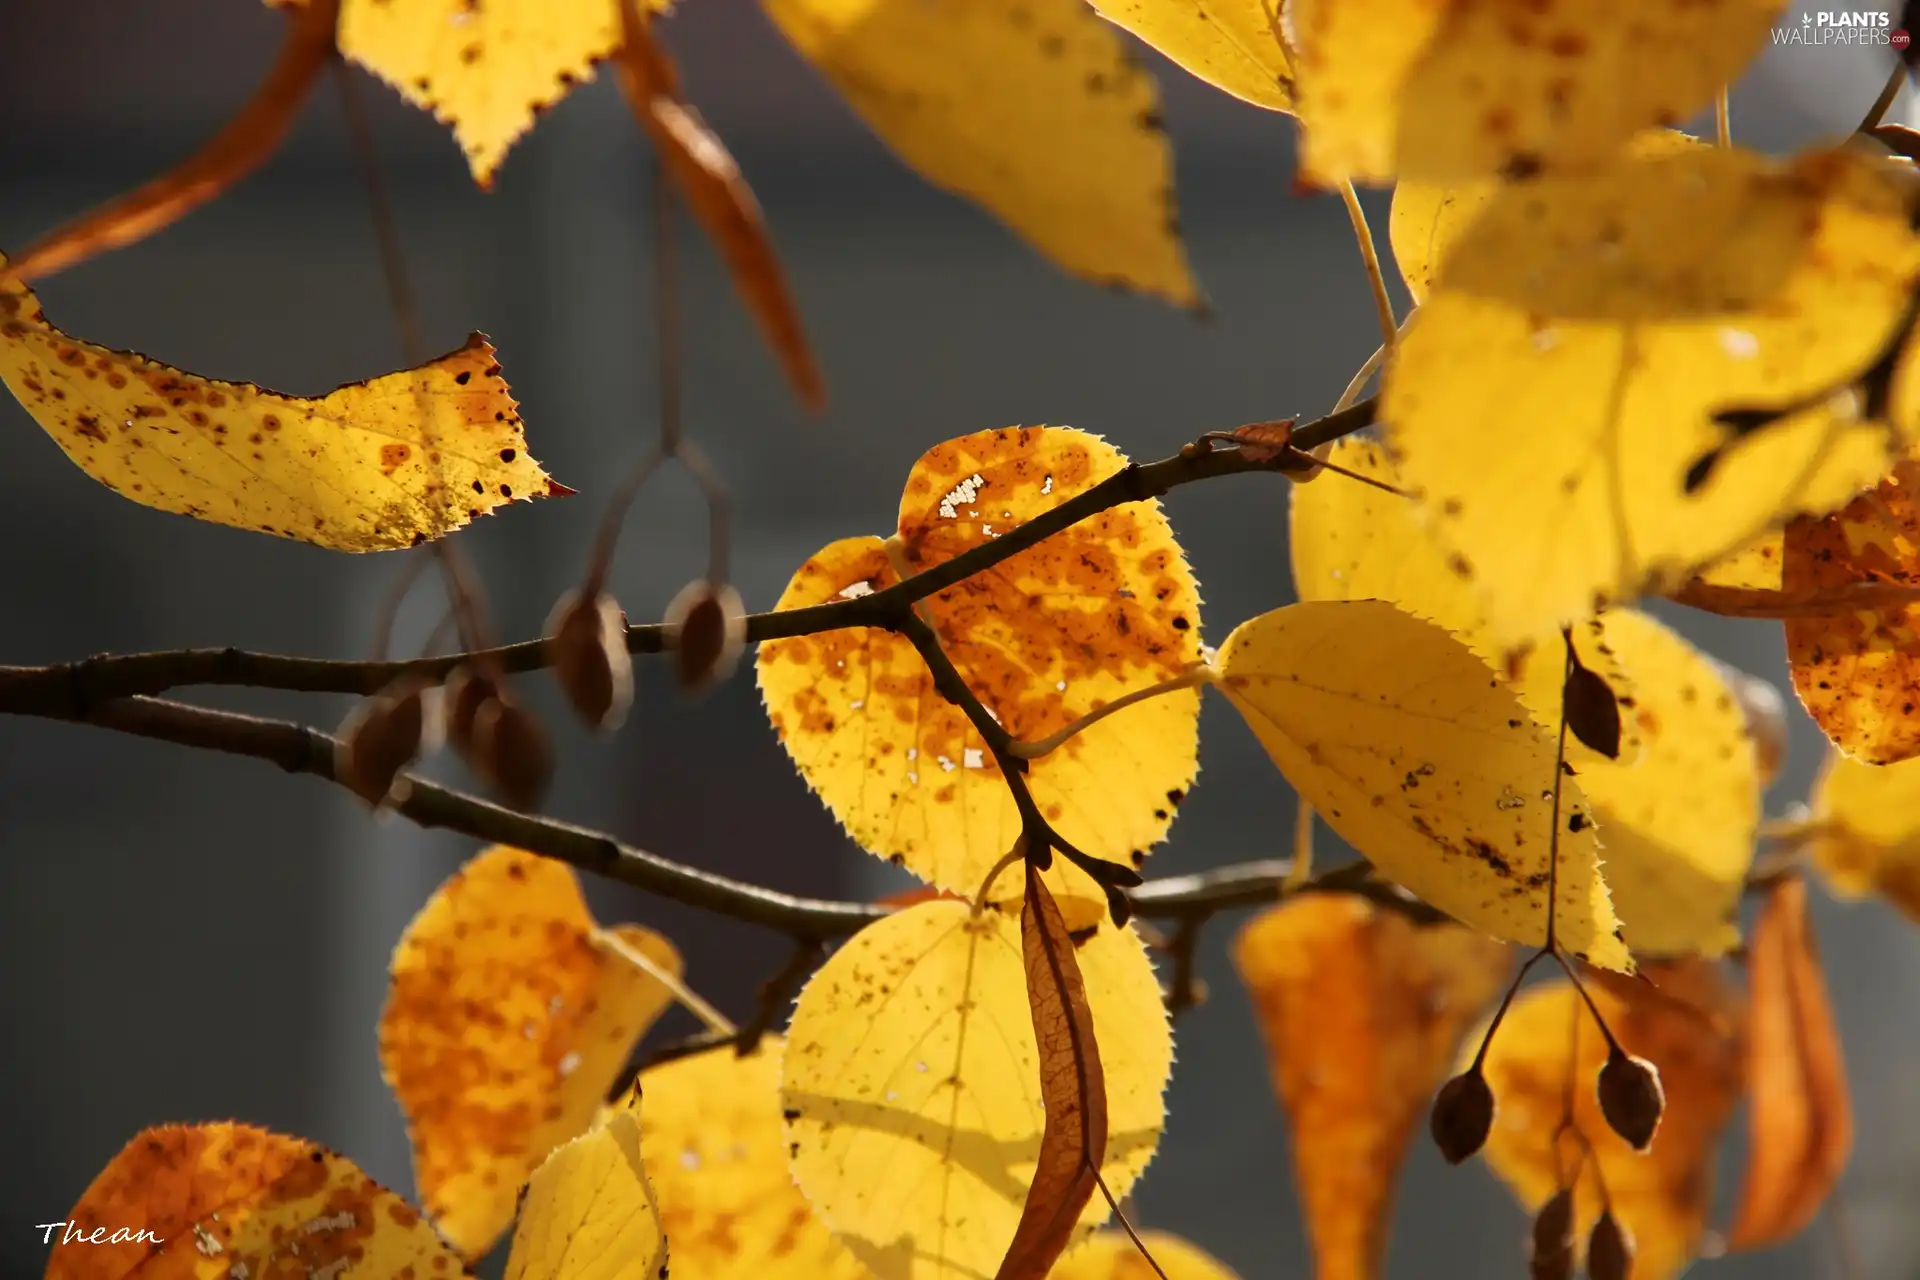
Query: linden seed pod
point(1551, 1254)
point(1593, 712)
point(380, 737)
point(587, 645)
point(1462, 1115)
point(1631, 1098)
point(511, 751)
point(707, 627)
point(466, 689)
point(1609, 1250)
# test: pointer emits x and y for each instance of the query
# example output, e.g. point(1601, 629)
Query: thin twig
point(689, 999)
point(1891, 90)
point(1722, 120)
point(1195, 674)
point(777, 992)
point(1370, 257)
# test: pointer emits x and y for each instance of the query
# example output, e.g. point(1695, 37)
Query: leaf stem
point(609, 940)
point(1882, 104)
point(1722, 120)
point(1370, 257)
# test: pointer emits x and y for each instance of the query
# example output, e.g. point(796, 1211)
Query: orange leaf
point(711, 183)
point(237, 150)
point(505, 1026)
point(1802, 1116)
point(1073, 1091)
point(232, 1200)
point(1362, 1010)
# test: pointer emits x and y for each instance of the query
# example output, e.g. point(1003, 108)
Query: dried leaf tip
point(382, 736)
point(707, 630)
point(1609, 1250)
point(1631, 1097)
point(1462, 1115)
point(587, 644)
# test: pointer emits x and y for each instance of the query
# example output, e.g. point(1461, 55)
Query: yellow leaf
point(505, 1026)
point(1553, 401)
point(1453, 89)
point(716, 1150)
point(1755, 567)
point(218, 1201)
point(485, 70)
point(1111, 1255)
point(589, 1212)
point(1420, 759)
point(1868, 829)
point(1231, 44)
point(1033, 109)
point(911, 1080)
point(1362, 1011)
point(351, 471)
point(1691, 1027)
point(1102, 609)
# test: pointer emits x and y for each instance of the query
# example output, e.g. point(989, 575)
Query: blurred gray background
point(186, 937)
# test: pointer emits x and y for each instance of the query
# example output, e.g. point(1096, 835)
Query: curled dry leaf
point(589, 1211)
point(1094, 612)
point(711, 184)
point(708, 626)
point(1073, 1091)
point(232, 1200)
point(1629, 305)
point(1033, 109)
point(1800, 1118)
point(383, 735)
point(1399, 738)
point(911, 1082)
point(1867, 829)
point(587, 645)
point(357, 470)
point(505, 1025)
point(1361, 1011)
point(1687, 1020)
point(1112, 1255)
point(1234, 45)
point(1456, 90)
point(716, 1150)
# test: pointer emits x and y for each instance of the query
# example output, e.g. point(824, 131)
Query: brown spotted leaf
point(356, 470)
point(1361, 1010)
point(193, 1202)
point(1073, 1090)
point(1801, 1118)
point(505, 1025)
point(1097, 611)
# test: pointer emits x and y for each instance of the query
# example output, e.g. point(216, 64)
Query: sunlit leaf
point(1107, 607)
point(1868, 834)
point(1451, 89)
point(911, 1080)
point(1111, 1255)
point(505, 1026)
point(1231, 44)
point(716, 1152)
point(1409, 748)
point(485, 70)
point(589, 1212)
point(1553, 401)
point(1362, 1011)
point(1690, 1026)
point(1801, 1116)
point(230, 1200)
point(1034, 109)
point(352, 471)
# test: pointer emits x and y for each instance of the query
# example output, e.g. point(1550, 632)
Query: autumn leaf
point(1102, 609)
point(1033, 109)
point(1073, 1091)
point(710, 182)
point(1402, 740)
point(505, 1025)
point(1112, 1255)
point(352, 471)
point(1453, 89)
point(1234, 45)
point(716, 1152)
point(1866, 833)
point(232, 1200)
point(1801, 1116)
point(912, 1082)
point(1564, 378)
point(1361, 1010)
point(1688, 1022)
point(589, 1211)
point(484, 70)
